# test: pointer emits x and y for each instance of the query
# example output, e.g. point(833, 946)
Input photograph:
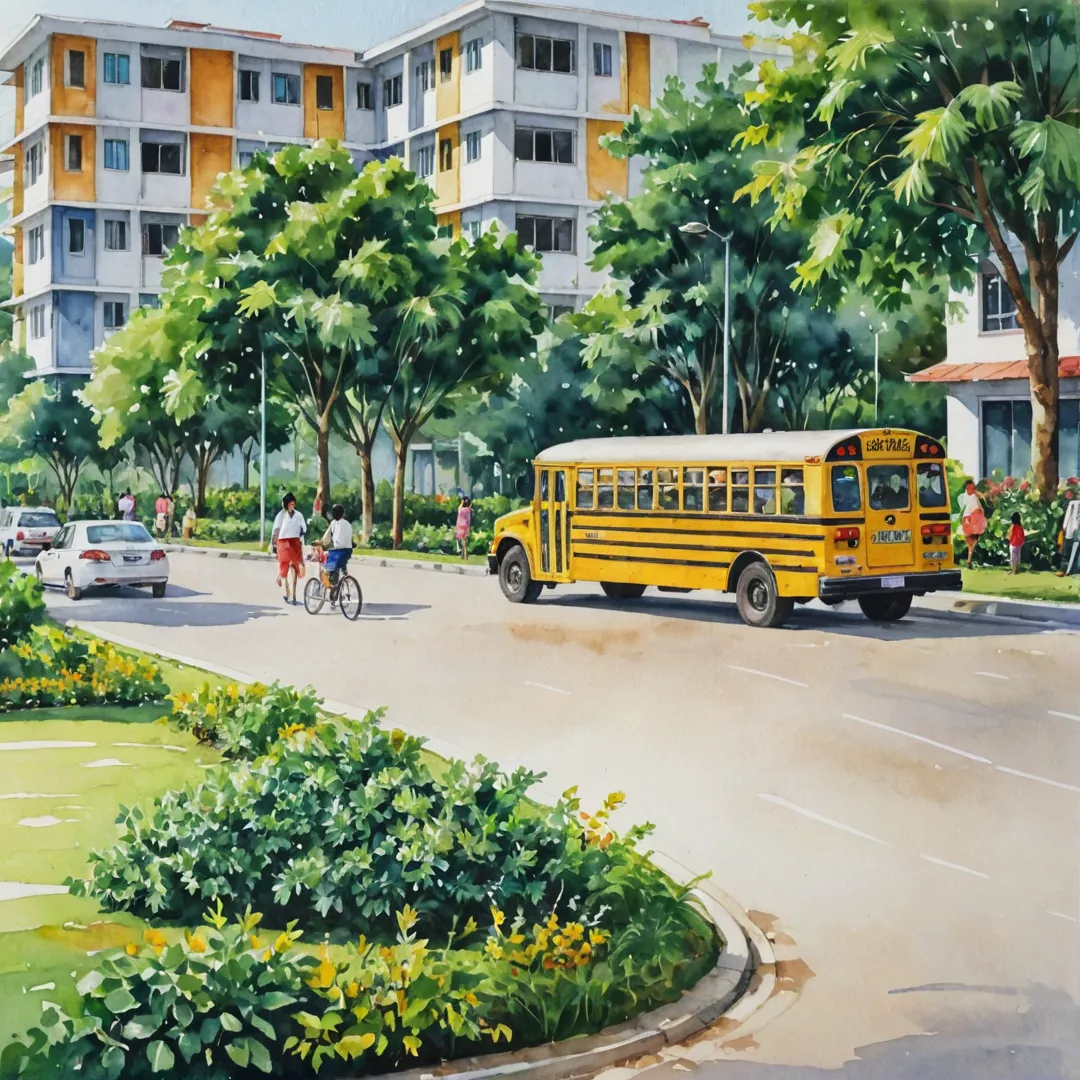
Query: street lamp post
point(699, 228)
point(262, 448)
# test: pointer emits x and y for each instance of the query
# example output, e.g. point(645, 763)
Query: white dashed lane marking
point(955, 866)
point(769, 675)
point(918, 738)
point(1063, 715)
point(777, 801)
point(544, 686)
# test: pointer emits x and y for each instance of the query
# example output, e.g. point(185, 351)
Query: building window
point(1006, 437)
point(114, 314)
point(34, 164)
point(391, 92)
point(286, 89)
point(37, 321)
point(425, 160)
point(545, 54)
point(557, 311)
point(149, 300)
point(998, 304)
point(37, 77)
point(117, 68)
point(249, 85)
point(601, 58)
point(35, 244)
point(76, 69)
point(159, 73)
point(446, 155)
point(445, 232)
point(159, 238)
point(473, 229)
point(472, 146)
point(425, 75)
point(73, 157)
point(245, 157)
point(1069, 436)
point(163, 158)
point(324, 92)
point(474, 54)
point(446, 64)
point(540, 144)
point(116, 155)
point(363, 96)
point(76, 230)
point(546, 233)
point(116, 234)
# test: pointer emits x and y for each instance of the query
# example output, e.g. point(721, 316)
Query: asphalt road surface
point(899, 807)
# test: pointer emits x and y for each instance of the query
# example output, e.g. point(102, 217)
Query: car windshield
point(43, 520)
point(120, 533)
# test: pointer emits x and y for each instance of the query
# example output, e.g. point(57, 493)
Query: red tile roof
point(948, 372)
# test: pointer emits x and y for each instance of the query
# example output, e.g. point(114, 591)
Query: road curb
point(357, 560)
point(996, 607)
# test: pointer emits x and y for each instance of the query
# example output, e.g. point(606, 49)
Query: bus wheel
point(515, 578)
point(757, 599)
point(621, 590)
point(886, 608)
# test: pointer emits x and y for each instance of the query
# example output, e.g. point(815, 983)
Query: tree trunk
point(322, 491)
point(367, 481)
point(204, 462)
point(1042, 357)
point(401, 454)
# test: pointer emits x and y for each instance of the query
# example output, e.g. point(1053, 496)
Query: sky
point(355, 24)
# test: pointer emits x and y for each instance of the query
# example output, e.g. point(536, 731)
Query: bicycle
point(343, 592)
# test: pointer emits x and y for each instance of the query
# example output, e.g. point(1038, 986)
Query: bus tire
point(621, 590)
point(758, 599)
point(515, 577)
point(886, 608)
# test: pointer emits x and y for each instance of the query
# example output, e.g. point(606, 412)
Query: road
point(898, 806)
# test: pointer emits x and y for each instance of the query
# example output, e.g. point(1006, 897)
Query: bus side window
point(932, 490)
point(846, 496)
point(792, 492)
point(718, 489)
point(693, 489)
point(585, 496)
point(544, 481)
point(740, 491)
point(605, 489)
point(560, 485)
point(626, 489)
point(668, 479)
point(645, 498)
point(764, 491)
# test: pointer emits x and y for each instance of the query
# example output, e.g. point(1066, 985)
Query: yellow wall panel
point(448, 93)
point(196, 220)
point(453, 219)
point(66, 184)
point(212, 89)
point(19, 180)
point(17, 263)
point(20, 98)
point(637, 70)
point(604, 173)
point(211, 155)
point(72, 100)
point(448, 182)
point(324, 123)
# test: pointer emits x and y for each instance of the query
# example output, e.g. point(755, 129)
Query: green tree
point(6, 319)
point(917, 137)
point(667, 312)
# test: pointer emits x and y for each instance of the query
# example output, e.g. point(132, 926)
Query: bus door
point(554, 525)
point(890, 515)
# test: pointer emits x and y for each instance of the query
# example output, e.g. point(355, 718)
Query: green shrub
point(228, 532)
point(433, 538)
point(243, 721)
point(22, 604)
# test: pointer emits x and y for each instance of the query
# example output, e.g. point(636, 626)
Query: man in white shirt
point(338, 541)
point(287, 540)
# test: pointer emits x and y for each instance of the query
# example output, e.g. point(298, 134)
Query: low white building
point(985, 376)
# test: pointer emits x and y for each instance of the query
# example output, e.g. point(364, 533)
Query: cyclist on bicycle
point(338, 542)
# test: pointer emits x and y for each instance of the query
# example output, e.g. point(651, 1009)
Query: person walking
point(972, 517)
point(464, 527)
point(1016, 544)
point(125, 506)
point(189, 522)
point(162, 515)
point(287, 540)
point(338, 541)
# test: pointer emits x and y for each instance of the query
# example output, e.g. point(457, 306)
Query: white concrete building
point(121, 131)
point(985, 375)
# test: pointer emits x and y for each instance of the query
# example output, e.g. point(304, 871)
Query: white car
point(100, 554)
point(26, 530)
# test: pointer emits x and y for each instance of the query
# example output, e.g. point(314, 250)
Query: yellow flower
point(553, 922)
point(470, 927)
point(516, 939)
point(497, 917)
point(472, 999)
point(282, 944)
point(131, 950)
point(597, 937)
point(493, 949)
point(195, 942)
point(574, 931)
point(352, 990)
point(254, 941)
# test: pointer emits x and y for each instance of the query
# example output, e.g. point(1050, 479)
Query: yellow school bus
point(777, 519)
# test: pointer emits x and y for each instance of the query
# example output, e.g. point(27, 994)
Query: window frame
point(535, 50)
point(164, 64)
point(554, 225)
point(73, 149)
point(116, 58)
point(990, 283)
point(392, 92)
point(603, 57)
point(365, 92)
point(425, 75)
point(159, 171)
point(69, 71)
point(110, 307)
point(324, 83)
point(446, 155)
point(37, 322)
point(927, 468)
point(527, 131)
point(836, 469)
point(35, 162)
point(474, 141)
point(72, 233)
point(446, 65)
point(290, 83)
point(114, 144)
point(473, 229)
point(37, 77)
point(1014, 441)
point(35, 244)
point(161, 226)
point(248, 79)
point(119, 225)
point(473, 51)
point(425, 161)
point(877, 466)
point(590, 487)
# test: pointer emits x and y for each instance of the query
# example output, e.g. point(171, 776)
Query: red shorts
point(290, 553)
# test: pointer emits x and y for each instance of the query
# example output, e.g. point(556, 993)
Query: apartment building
point(121, 131)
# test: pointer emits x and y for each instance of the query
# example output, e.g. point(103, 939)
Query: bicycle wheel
point(314, 597)
point(350, 598)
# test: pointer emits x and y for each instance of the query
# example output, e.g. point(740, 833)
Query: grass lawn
point(56, 804)
point(1027, 585)
point(377, 553)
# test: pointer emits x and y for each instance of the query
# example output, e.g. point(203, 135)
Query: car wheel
point(72, 590)
point(888, 608)
point(757, 598)
point(621, 590)
point(158, 590)
point(515, 578)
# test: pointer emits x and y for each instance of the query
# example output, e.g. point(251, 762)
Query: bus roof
point(768, 446)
